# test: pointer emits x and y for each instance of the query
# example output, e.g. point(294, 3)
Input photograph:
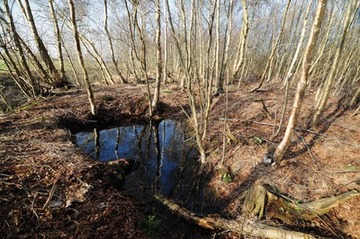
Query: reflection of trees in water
point(158, 158)
point(118, 135)
point(97, 143)
point(159, 151)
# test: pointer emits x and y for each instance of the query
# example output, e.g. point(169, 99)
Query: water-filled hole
point(158, 154)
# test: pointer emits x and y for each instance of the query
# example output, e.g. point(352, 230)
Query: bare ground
point(48, 188)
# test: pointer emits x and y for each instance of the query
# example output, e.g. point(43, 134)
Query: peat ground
point(50, 189)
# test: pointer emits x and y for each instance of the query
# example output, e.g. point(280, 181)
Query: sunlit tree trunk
point(352, 6)
point(35, 89)
point(323, 46)
point(186, 55)
point(290, 71)
point(81, 59)
point(301, 87)
point(189, 92)
point(58, 38)
point(239, 61)
point(40, 44)
point(218, 83)
point(165, 65)
point(158, 56)
point(133, 51)
point(355, 99)
point(32, 59)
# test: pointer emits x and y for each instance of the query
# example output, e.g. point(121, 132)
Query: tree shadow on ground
point(324, 125)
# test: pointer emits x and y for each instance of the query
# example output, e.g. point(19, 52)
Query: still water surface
point(162, 158)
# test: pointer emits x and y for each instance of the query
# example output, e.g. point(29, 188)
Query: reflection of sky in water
point(138, 143)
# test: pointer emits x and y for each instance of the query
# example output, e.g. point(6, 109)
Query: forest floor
point(50, 189)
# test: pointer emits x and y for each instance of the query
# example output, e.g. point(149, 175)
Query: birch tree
point(353, 5)
point(113, 59)
point(58, 38)
point(270, 62)
point(39, 42)
point(301, 87)
point(159, 71)
point(81, 59)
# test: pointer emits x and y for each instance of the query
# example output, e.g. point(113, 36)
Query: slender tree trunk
point(58, 38)
point(186, 59)
point(99, 59)
point(352, 6)
point(291, 70)
point(209, 71)
point(165, 66)
point(158, 56)
point(11, 64)
point(225, 52)
point(218, 83)
point(142, 57)
point(133, 51)
point(269, 64)
point(320, 52)
point(239, 62)
point(189, 92)
point(81, 59)
point(301, 87)
point(114, 61)
point(356, 98)
point(72, 66)
point(40, 44)
point(35, 89)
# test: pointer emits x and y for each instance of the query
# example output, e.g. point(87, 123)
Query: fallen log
point(241, 226)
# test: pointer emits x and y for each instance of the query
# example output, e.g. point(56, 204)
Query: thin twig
point(51, 194)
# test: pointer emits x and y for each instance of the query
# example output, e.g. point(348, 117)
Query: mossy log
point(241, 225)
point(261, 198)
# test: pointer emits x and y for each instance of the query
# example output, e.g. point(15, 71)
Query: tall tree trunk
point(352, 7)
point(270, 62)
point(189, 92)
point(35, 89)
point(209, 71)
point(165, 65)
point(239, 61)
point(58, 38)
point(114, 61)
point(218, 81)
point(301, 87)
point(225, 51)
point(81, 59)
point(38, 67)
point(40, 44)
point(156, 97)
point(142, 57)
point(291, 70)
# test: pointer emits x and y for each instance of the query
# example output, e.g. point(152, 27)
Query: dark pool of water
point(164, 160)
